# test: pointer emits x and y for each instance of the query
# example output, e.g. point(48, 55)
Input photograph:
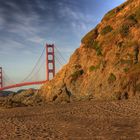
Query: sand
point(116, 120)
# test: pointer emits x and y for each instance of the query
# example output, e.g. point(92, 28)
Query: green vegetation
point(111, 78)
point(102, 63)
point(97, 48)
point(89, 41)
point(76, 74)
point(124, 30)
point(106, 30)
point(90, 37)
point(94, 68)
point(116, 96)
point(109, 15)
point(131, 20)
point(132, 17)
point(126, 70)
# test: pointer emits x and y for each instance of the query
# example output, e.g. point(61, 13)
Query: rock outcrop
point(107, 64)
point(22, 98)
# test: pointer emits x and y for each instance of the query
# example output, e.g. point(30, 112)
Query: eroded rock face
point(107, 64)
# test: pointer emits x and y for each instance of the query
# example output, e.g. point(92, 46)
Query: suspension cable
point(38, 69)
point(60, 54)
point(34, 66)
point(8, 78)
point(59, 61)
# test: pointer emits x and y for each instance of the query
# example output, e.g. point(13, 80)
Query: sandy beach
point(116, 120)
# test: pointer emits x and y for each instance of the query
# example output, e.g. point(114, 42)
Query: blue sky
point(26, 26)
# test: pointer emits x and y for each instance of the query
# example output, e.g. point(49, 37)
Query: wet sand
point(117, 120)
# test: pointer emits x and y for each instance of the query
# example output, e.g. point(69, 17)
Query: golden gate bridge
point(52, 55)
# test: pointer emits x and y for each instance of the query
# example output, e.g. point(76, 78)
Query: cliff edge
point(107, 64)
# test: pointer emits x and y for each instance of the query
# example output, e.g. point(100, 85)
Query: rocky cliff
point(107, 64)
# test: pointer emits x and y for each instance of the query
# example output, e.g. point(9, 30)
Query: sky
point(27, 25)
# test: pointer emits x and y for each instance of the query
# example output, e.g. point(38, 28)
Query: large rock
point(107, 64)
point(24, 98)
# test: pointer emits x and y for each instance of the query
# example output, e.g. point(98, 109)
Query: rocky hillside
point(107, 64)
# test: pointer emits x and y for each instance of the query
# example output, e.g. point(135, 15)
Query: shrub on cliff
point(124, 30)
point(90, 42)
point(132, 17)
point(76, 74)
point(109, 15)
point(106, 30)
point(94, 68)
point(88, 38)
point(97, 47)
point(111, 78)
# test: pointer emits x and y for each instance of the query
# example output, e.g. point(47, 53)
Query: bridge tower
point(50, 61)
point(1, 78)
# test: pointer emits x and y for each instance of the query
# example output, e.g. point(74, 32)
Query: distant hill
point(6, 93)
point(20, 98)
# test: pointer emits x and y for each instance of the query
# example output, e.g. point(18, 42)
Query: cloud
point(37, 39)
point(9, 45)
point(32, 22)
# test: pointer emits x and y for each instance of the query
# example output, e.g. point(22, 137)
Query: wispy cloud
point(30, 23)
point(37, 39)
point(42, 16)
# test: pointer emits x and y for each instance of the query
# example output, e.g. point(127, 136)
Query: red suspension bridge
point(53, 58)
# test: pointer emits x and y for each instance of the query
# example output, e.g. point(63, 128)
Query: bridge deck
point(23, 84)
